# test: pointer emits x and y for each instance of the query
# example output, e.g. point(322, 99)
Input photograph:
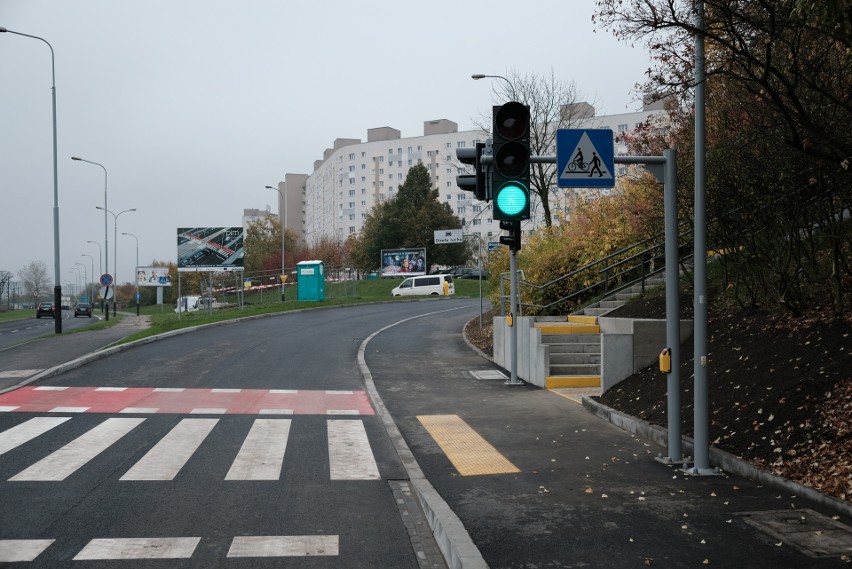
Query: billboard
point(210, 249)
point(153, 276)
point(403, 262)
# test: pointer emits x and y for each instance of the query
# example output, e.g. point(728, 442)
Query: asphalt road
point(18, 331)
point(237, 445)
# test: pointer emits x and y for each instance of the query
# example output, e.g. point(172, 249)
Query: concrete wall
point(531, 354)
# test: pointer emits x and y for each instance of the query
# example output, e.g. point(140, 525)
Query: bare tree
point(554, 104)
point(792, 56)
point(35, 278)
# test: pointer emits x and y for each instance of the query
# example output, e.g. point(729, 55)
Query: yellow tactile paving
point(466, 449)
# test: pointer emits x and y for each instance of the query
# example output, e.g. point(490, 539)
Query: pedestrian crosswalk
point(260, 457)
point(137, 548)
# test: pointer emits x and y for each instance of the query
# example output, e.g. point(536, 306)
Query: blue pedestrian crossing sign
point(585, 158)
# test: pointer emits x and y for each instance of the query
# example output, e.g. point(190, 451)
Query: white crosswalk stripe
point(260, 457)
point(262, 453)
point(26, 431)
point(64, 462)
point(349, 453)
point(168, 456)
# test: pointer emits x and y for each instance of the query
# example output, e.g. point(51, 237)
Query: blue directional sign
point(585, 158)
point(493, 245)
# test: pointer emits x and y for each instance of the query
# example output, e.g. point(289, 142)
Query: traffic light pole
point(513, 309)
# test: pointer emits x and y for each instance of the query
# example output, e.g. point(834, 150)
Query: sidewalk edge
point(719, 458)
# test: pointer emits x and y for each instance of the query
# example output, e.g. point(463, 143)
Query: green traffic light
point(512, 199)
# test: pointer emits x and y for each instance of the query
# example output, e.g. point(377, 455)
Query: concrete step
point(567, 328)
point(575, 348)
point(556, 381)
point(575, 369)
point(595, 311)
point(593, 359)
point(570, 338)
point(582, 319)
point(611, 303)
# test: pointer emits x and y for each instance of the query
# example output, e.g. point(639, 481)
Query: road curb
point(718, 458)
point(453, 540)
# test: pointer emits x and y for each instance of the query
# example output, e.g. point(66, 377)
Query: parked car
point(44, 309)
point(430, 285)
point(82, 309)
point(474, 274)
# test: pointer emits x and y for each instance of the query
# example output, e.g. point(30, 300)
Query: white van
point(435, 285)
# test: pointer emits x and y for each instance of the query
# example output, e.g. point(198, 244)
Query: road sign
point(106, 279)
point(106, 292)
point(585, 158)
point(443, 236)
point(493, 245)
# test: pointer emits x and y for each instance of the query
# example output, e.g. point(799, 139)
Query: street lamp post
point(57, 284)
point(100, 269)
point(478, 76)
point(137, 268)
point(77, 286)
point(283, 210)
point(106, 232)
point(115, 255)
point(91, 291)
point(85, 279)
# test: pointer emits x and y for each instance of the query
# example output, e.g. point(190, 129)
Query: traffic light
point(513, 239)
point(472, 182)
point(510, 175)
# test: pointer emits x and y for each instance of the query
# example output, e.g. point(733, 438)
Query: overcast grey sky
point(193, 106)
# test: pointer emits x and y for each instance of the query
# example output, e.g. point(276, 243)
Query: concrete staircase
point(574, 345)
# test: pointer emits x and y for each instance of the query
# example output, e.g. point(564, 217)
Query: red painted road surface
point(142, 400)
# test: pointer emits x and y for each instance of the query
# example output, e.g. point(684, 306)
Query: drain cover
point(487, 374)
point(811, 532)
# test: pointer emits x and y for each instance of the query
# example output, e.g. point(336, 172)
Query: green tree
point(408, 220)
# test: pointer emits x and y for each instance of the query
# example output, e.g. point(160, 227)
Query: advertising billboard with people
point(403, 262)
point(153, 276)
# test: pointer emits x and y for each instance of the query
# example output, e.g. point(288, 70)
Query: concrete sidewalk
point(583, 493)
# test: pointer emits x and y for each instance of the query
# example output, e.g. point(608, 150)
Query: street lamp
point(283, 210)
point(115, 255)
point(100, 270)
point(106, 233)
point(137, 268)
point(77, 289)
point(57, 285)
point(91, 291)
point(478, 76)
point(85, 278)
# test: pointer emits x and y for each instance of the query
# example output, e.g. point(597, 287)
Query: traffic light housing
point(510, 174)
point(513, 240)
point(472, 182)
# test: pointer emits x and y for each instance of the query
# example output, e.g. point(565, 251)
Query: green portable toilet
point(311, 280)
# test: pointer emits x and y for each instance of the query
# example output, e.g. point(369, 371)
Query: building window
point(477, 221)
point(351, 192)
point(351, 229)
point(449, 145)
point(460, 210)
point(352, 156)
point(622, 128)
point(461, 144)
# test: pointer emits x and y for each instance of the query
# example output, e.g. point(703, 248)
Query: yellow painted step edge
point(583, 319)
point(554, 381)
point(569, 328)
